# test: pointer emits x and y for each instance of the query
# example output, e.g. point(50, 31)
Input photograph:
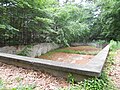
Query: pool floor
point(72, 54)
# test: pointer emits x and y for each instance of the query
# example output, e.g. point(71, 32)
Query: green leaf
point(2, 26)
point(11, 28)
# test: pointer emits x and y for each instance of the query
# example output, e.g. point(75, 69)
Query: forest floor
point(13, 76)
point(115, 72)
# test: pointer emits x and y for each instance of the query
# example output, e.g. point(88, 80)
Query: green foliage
point(110, 60)
point(101, 42)
point(71, 23)
point(26, 50)
point(2, 26)
point(21, 19)
point(114, 45)
point(34, 21)
point(97, 83)
point(76, 52)
point(101, 83)
point(107, 23)
point(71, 79)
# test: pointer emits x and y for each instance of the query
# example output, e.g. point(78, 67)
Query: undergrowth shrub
point(99, 83)
point(114, 45)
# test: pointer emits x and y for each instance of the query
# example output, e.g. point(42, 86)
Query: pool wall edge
point(55, 68)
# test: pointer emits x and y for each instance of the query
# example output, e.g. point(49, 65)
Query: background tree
point(107, 24)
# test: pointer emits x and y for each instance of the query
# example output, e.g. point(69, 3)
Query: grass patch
point(97, 83)
point(76, 52)
point(114, 45)
point(71, 52)
point(101, 83)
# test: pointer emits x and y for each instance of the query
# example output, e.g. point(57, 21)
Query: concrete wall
point(62, 69)
point(89, 44)
point(35, 50)
point(42, 48)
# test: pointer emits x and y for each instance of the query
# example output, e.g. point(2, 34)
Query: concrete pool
point(62, 69)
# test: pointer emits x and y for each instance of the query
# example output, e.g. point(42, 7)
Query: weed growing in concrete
point(71, 79)
point(25, 51)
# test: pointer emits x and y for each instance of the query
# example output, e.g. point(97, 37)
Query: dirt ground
point(83, 48)
point(13, 76)
point(68, 57)
point(115, 73)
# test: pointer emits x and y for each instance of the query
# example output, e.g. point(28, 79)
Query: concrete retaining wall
point(42, 48)
point(89, 44)
point(35, 50)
